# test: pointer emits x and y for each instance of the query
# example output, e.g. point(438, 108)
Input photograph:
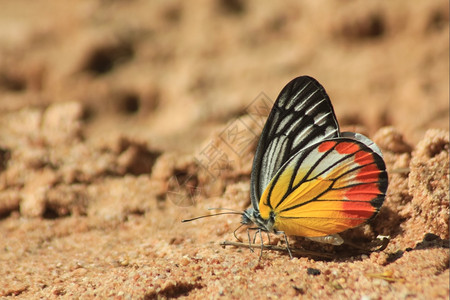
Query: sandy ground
point(110, 112)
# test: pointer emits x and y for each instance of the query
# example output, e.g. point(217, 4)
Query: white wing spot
point(283, 124)
point(313, 107)
point(321, 118)
point(295, 97)
point(302, 135)
point(305, 100)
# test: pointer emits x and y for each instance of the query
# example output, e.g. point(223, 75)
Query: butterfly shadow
point(301, 247)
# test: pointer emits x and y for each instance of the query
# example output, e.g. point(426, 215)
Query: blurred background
point(171, 72)
point(118, 119)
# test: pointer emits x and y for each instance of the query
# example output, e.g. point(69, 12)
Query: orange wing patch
point(337, 185)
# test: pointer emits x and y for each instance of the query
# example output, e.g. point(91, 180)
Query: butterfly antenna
point(213, 215)
point(226, 209)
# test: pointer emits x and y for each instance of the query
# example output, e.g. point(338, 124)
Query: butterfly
point(309, 179)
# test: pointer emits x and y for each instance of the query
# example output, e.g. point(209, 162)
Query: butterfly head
point(252, 216)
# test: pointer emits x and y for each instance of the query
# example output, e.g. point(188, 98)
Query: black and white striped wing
point(302, 115)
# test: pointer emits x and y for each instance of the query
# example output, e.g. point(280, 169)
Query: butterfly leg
point(287, 242)
point(235, 236)
point(254, 237)
point(258, 231)
point(249, 240)
point(262, 244)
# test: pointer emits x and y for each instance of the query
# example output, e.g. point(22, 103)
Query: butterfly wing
point(301, 116)
point(326, 188)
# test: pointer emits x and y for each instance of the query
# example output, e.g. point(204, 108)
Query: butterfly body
point(308, 178)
